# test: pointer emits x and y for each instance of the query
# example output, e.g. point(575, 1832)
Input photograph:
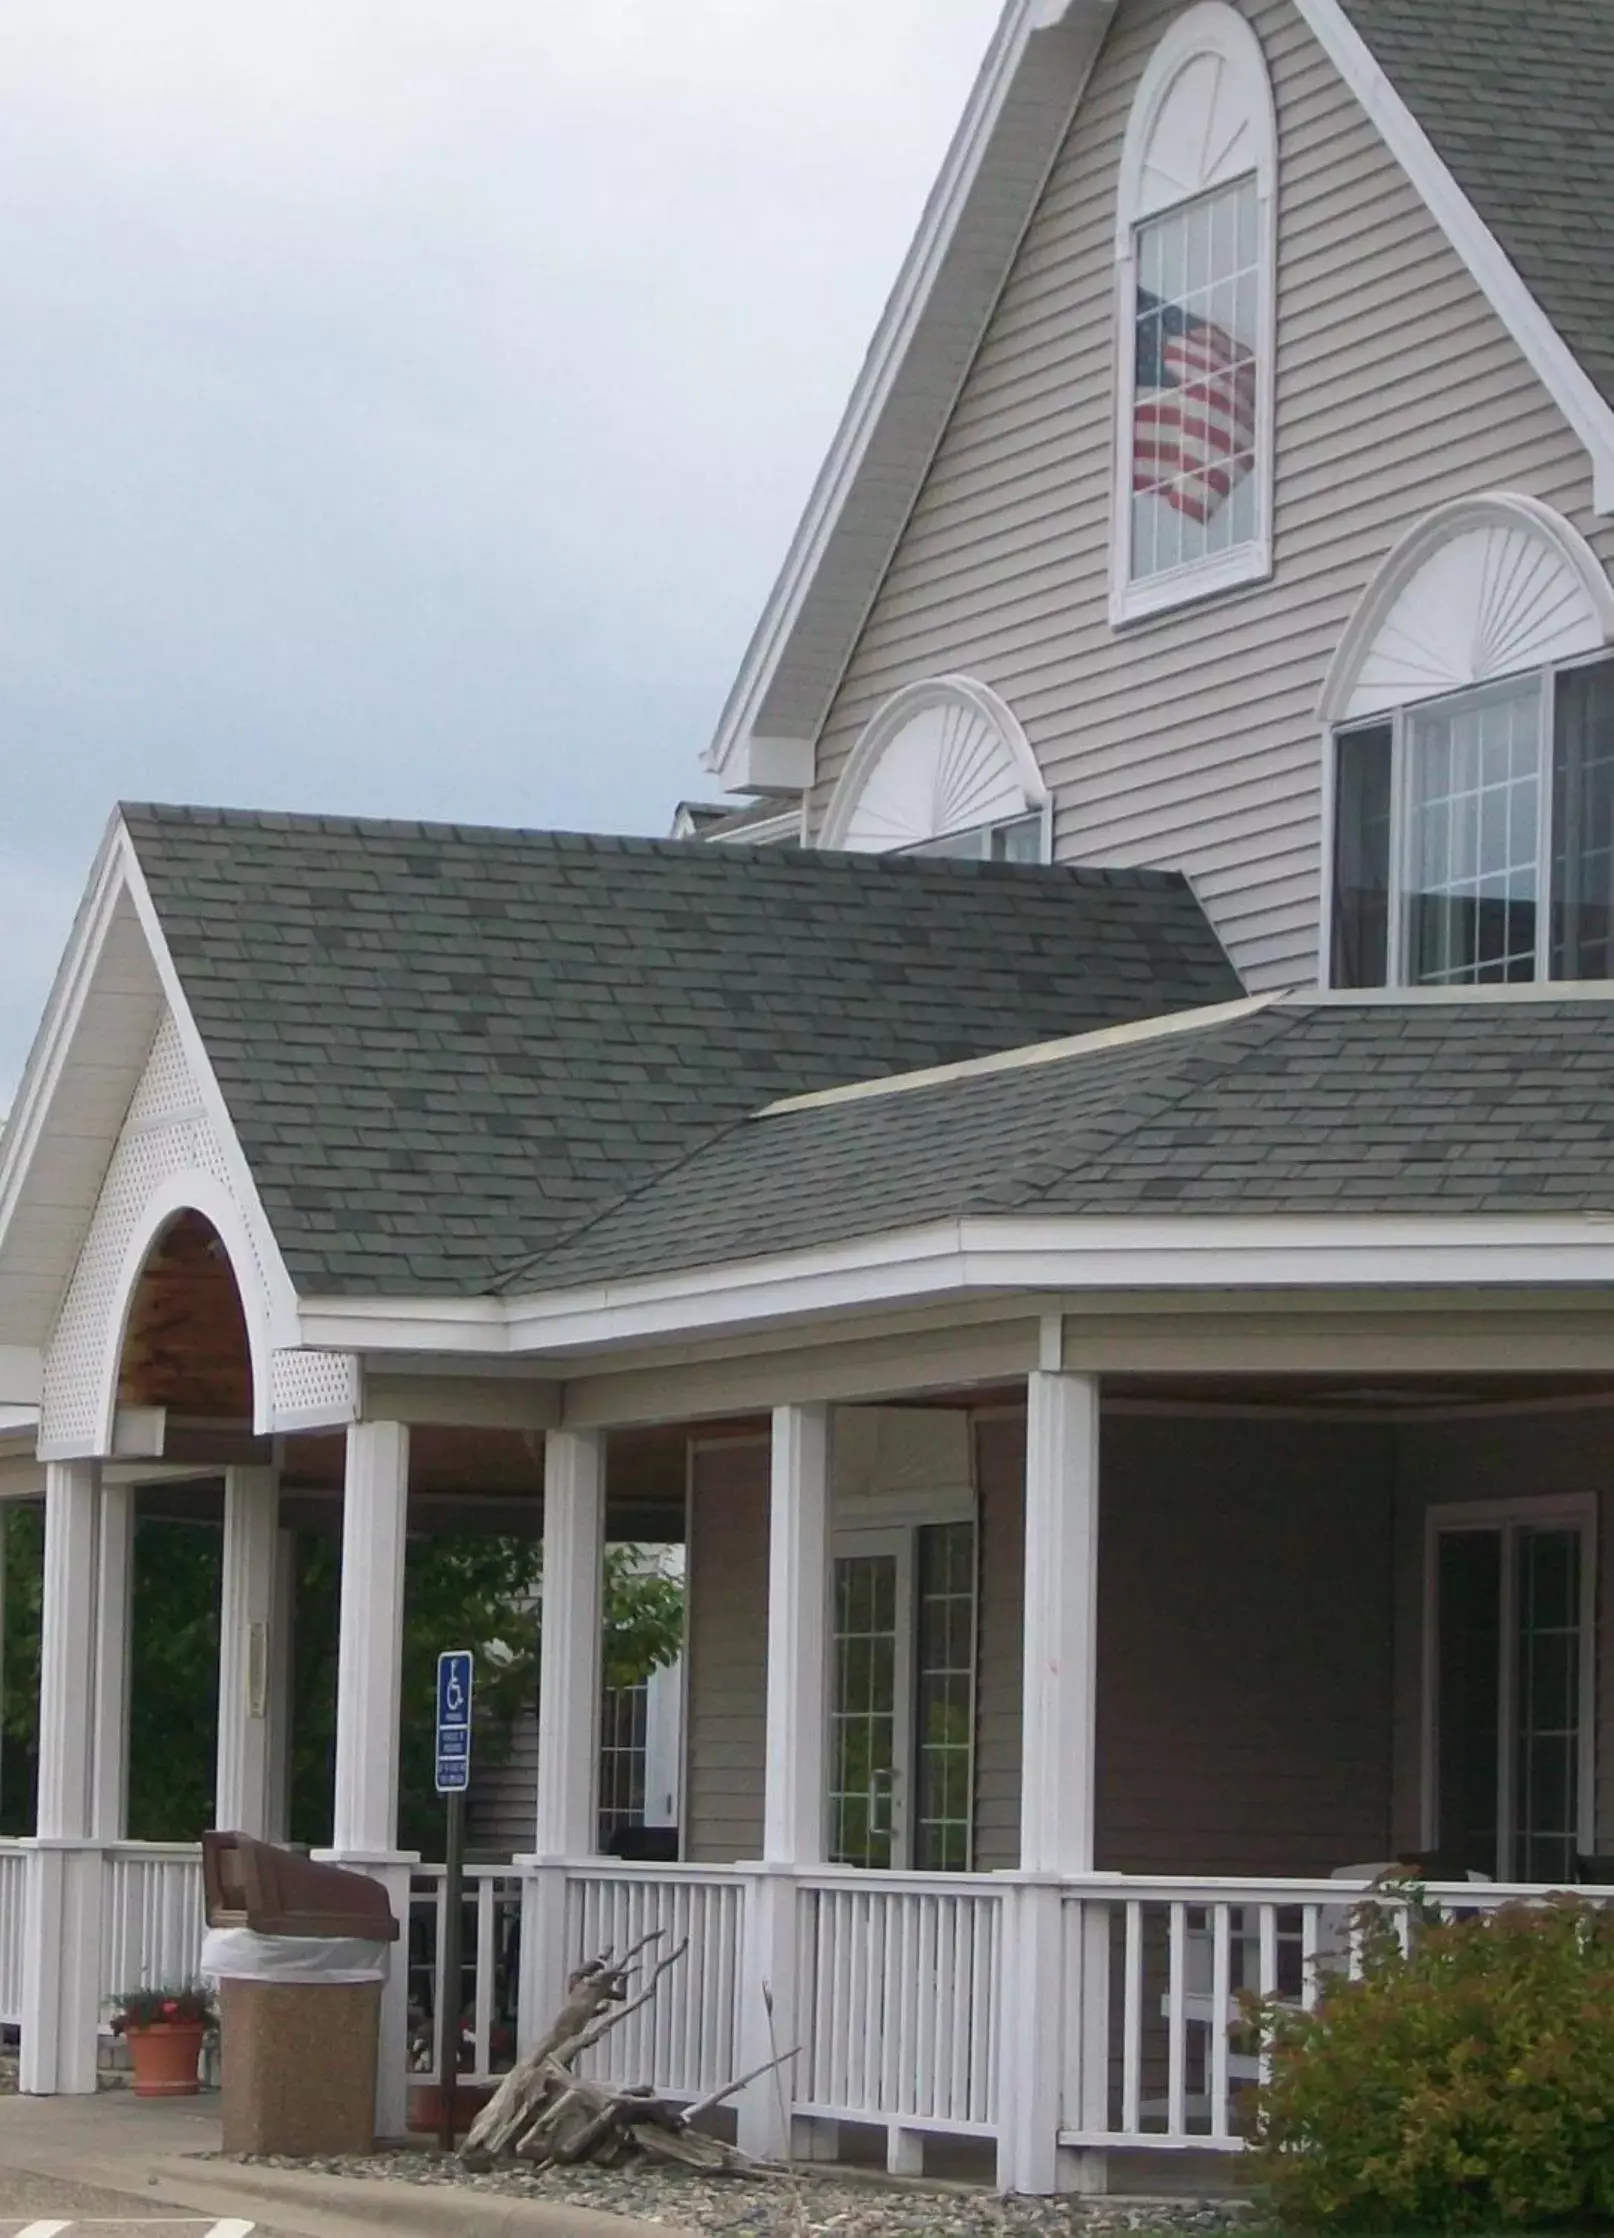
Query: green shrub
point(1467, 2084)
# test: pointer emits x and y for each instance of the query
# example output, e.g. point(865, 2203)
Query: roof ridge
point(1203, 1018)
point(786, 861)
point(1276, 1019)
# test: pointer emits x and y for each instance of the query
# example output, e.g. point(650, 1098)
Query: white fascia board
point(63, 1009)
point(476, 1328)
point(22, 1373)
point(284, 1322)
point(997, 1256)
point(1543, 347)
point(746, 754)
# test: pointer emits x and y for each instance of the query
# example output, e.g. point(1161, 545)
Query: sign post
point(453, 1778)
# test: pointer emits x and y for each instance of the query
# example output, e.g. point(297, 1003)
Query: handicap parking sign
point(454, 1722)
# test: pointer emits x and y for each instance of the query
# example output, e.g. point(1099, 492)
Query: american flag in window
point(1196, 382)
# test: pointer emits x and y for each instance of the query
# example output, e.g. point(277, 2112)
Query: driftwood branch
point(545, 2114)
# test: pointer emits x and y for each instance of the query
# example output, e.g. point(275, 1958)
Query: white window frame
point(1399, 722)
point(994, 722)
point(1579, 630)
point(1212, 28)
point(1577, 1510)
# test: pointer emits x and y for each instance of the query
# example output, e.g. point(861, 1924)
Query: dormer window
point(943, 769)
point(1472, 791)
point(1195, 249)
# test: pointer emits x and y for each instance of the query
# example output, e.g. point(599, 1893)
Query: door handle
point(882, 1791)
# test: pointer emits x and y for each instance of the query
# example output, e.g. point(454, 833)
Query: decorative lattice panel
point(315, 1387)
point(167, 1132)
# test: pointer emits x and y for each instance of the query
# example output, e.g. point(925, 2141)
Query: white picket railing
point(151, 1915)
point(13, 1866)
point(489, 1967)
point(684, 2042)
point(1157, 2051)
point(898, 2000)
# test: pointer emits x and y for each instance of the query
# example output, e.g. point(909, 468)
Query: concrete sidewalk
point(146, 2150)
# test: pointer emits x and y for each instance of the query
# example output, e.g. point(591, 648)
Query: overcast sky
point(405, 404)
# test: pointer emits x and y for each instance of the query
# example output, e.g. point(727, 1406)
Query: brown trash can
point(298, 2066)
point(298, 2057)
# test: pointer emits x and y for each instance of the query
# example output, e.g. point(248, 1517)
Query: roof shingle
point(445, 1048)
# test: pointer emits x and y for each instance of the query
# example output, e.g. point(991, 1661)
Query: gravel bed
point(805, 2205)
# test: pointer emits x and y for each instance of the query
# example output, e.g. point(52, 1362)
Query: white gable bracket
point(1543, 347)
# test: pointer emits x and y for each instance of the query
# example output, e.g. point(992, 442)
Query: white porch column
point(1061, 1624)
point(375, 1501)
point(282, 1671)
point(567, 1819)
point(569, 1651)
point(61, 1988)
point(245, 1802)
point(114, 1586)
point(794, 1790)
point(1060, 1671)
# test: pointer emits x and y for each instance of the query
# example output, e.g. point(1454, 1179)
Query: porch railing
point(490, 1944)
point(684, 2043)
point(13, 1865)
point(898, 1998)
point(151, 1915)
point(1157, 2054)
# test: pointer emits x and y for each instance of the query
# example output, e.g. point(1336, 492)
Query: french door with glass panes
point(1510, 1684)
point(902, 1698)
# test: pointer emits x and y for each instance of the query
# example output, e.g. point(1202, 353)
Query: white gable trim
point(209, 1175)
point(918, 362)
point(991, 181)
point(282, 1295)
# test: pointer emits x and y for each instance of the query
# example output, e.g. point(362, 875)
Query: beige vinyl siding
point(727, 1652)
point(1191, 740)
point(1509, 1458)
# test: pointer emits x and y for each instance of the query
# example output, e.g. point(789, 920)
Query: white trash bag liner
point(238, 1954)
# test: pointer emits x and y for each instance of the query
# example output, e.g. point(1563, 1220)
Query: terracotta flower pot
point(426, 2107)
point(166, 2056)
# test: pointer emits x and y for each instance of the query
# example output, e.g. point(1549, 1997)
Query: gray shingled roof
point(444, 1048)
point(1518, 101)
point(1304, 1107)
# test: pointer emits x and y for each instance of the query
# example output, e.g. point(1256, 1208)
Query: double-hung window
point(1474, 835)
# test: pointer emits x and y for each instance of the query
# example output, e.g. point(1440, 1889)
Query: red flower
point(170, 2008)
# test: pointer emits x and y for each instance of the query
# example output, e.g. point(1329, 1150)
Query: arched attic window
point(1470, 758)
point(1195, 245)
point(943, 769)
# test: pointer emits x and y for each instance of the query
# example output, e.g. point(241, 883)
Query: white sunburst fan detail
point(1202, 138)
point(940, 757)
point(1203, 116)
point(1485, 588)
